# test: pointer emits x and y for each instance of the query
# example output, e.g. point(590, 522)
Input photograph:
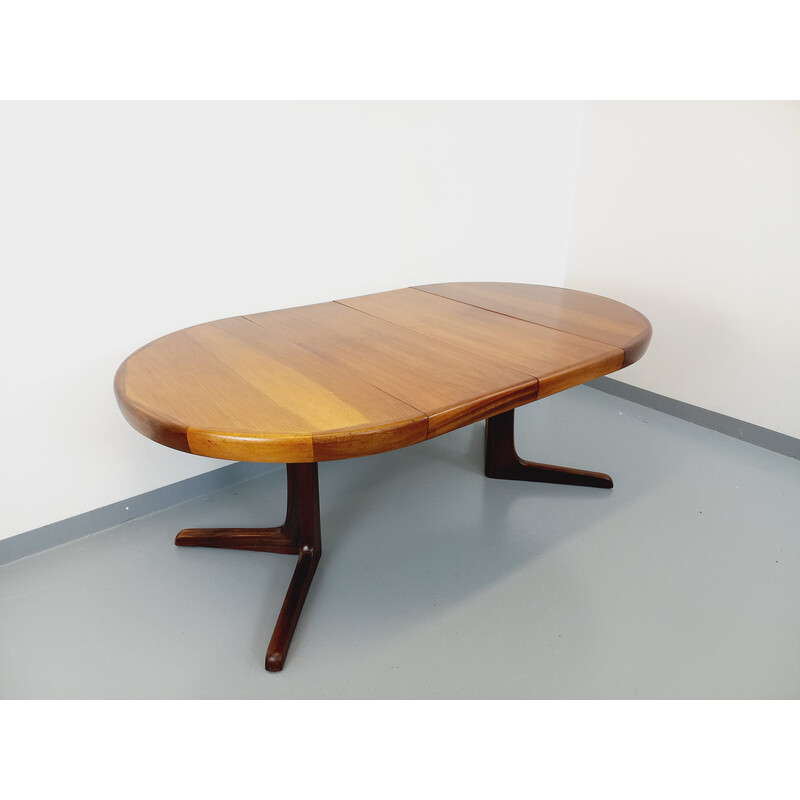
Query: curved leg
point(503, 462)
point(299, 535)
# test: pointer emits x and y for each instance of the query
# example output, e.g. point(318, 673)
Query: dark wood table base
point(503, 462)
point(300, 533)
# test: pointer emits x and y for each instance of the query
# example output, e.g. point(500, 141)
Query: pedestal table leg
point(299, 535)
point(503, 462)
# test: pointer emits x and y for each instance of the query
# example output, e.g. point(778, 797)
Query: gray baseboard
point(99, 519)
point(746, 431)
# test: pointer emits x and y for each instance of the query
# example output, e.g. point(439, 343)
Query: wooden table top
point(373, 373)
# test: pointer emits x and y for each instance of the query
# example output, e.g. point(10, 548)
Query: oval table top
point(373, 373)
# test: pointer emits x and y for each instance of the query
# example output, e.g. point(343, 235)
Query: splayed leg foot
point(503, 462)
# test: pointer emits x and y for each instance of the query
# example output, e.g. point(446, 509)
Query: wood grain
point(559, 360)
point(588, 315)
point(241, 393)
point(452, 387)
point(372, 373)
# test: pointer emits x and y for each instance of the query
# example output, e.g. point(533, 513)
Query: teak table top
point(373, 373)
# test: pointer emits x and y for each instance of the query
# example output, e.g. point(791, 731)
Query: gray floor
point(681, 582)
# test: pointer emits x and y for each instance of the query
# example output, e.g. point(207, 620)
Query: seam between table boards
point(439, 342)
point(425, 414)
point(537, 378)
point(520, 319)
point(433, 338)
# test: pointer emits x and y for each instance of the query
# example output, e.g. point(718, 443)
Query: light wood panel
point(557, 359)
point(581, 313)
point(242, 393)
point(452, 387)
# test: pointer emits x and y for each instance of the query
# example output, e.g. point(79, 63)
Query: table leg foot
point(290, 611)
point(503, 462)
point(299, 535)
point(264, 540)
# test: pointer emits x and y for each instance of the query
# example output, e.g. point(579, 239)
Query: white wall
point(121, 222)
point(690, 212)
